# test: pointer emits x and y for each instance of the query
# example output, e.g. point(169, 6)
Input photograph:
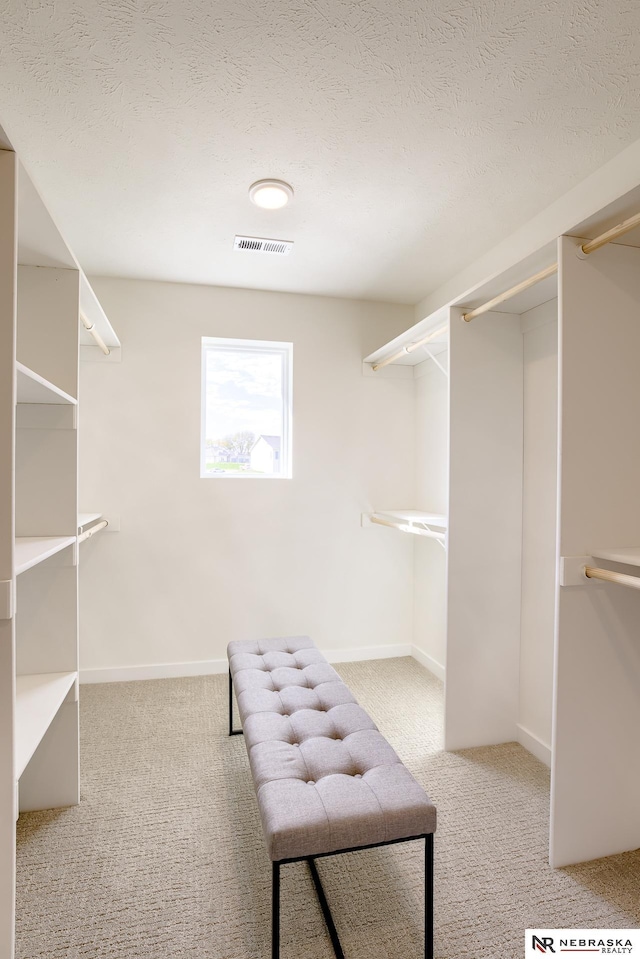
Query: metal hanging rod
point(609, 576)
point(518, 288)
point(410, 528)
point(88, 533)
point(629, 224)
point(410, 347)
point(91, 328)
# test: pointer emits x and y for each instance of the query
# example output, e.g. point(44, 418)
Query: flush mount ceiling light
point(270, 194)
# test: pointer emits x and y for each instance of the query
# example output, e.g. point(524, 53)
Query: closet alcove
point(529, 449)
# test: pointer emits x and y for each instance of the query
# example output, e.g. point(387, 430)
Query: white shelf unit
point(513, 639)
point(470, 447)
point(472, 433)
point(42, 290)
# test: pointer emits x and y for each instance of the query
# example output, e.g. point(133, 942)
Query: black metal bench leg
point(232, 731)
point(326, 911)
point(275, 912)
point(428, 897)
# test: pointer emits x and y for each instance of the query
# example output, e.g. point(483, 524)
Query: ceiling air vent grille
point(259, 244)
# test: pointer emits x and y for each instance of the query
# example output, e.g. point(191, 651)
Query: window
point(246, 409)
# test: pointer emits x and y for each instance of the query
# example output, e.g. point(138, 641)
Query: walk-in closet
point(319, 545)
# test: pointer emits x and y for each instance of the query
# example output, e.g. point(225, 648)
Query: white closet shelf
point(85, 518)
point(31, 550)
point(39, 696)
point(431, 525)
point(625, 554)
point(92, 309)
point(413, 516)
point(33, 388)
point(439, 344)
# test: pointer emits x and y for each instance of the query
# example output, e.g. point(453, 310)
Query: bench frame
point(324, 905)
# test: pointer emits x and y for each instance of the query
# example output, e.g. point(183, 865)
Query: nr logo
point(542, 945)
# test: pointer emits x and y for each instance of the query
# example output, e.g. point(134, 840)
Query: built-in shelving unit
point(39, 696)
point(43, 295)
point(31, 550)
point(534, 471)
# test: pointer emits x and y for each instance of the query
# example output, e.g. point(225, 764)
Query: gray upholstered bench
point(327, 781)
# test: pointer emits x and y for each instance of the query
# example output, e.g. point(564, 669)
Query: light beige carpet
point(164, 858)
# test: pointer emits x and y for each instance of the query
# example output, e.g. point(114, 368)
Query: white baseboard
point(534, 745)
point(428, 662)
point(356, 654)
point(126, 674)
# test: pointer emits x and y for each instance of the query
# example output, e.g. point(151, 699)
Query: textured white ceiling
point(416, 133)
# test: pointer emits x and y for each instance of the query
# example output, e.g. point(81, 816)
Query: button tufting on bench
point(285, 687)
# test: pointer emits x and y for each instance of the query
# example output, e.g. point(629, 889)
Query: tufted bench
point(326, 780)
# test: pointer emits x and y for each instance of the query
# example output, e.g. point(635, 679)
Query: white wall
point(430, 562)
point(199, 562)
point(540, 353)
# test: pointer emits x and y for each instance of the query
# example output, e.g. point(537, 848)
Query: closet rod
point(629, 224)
point(407, 528)
point(518, 288)
point(609, 576)
point(410, 348)
point(612, 234)
point(88, 533)
point(91, 328)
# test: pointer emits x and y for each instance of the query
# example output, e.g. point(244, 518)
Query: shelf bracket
point(436, 361)
point(572, 570)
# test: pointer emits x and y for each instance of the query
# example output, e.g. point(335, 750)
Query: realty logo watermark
point(606, 942)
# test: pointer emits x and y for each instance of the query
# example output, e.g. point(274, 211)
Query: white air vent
point(258, 244)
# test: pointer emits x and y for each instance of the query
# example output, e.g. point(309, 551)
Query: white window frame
point(232, 345)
